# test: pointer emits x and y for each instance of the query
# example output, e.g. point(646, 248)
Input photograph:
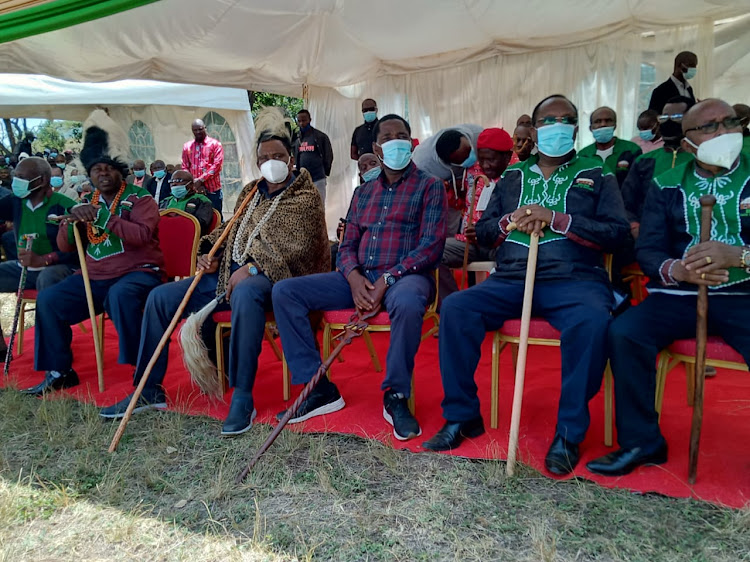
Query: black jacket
point(165, 191)
point(665, 92)
point(312, 150)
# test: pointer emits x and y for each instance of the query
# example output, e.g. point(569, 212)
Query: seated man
point(280, 234)
point(394, 237)
point(186, 199)
point(57, 182)
point(158, 184)
point(578, 210)
point(32, 202)
point(124, 263)
point(670, 254)
point(616, 153)
point(649, 136)
point(523, 144)
point(494, 148)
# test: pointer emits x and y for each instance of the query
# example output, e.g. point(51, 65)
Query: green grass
point(168, 493)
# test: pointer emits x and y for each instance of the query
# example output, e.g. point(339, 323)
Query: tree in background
point(259, 100)
point(60, 135)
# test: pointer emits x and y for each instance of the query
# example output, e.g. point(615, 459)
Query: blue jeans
point(64, 304)
point(217, 199)
point(580, 310)
point(405, 302)
point(249, 301)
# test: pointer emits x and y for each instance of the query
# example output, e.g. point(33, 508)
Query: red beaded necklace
point(90, 232)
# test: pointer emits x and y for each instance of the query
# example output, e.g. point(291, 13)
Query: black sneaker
point(53, 380)
point(241, 414)
point(324, 399)
point(154, 400)
point(396, 412)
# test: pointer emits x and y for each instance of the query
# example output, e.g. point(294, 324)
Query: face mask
point(179, 191)
point(275, 171)
point(719, 151)
point(370, 116)
point(671, 130)
point(56, 181)
point(555, 140)
point(646, 135)
point(396, 153)
point(77, 179)
point(53, 154)
point(139, 173)
point(470, 161)
point(61, 165)
point(372, 173)
point(21, 187)
point(603, 134)
point(158, 174)
point(7, 159)
point(690, 73)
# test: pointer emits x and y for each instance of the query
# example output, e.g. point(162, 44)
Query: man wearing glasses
point(186, 199)
point(670, 254)
point(652, 164)
point(578, 212)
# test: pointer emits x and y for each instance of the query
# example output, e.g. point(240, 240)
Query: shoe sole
point(243, 430)
point(389, 419)
point(324, 409)
point(160, 406)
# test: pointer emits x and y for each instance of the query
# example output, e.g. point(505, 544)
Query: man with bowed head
point(393, 240)
point(578, 212)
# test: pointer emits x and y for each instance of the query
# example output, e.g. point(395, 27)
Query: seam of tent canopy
point(60, 14)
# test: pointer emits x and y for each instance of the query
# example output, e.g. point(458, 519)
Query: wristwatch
point(389, 279)
point(745, 259)
point(252, 269)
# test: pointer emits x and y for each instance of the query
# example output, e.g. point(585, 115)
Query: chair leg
point(412, 401)
point(373, 353)
point(20, 330)
point(327, 343)
point(285, 379)
point(662, 368)
point(274, 345)
point(690, 380)
point(497, 348)
point(608, 406)
point(435, 325)
point(514, 354)
point(219, 334)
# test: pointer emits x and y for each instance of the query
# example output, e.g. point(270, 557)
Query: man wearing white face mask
point(280, 234)
point(685, 68)
point(616, 153)
point(578, 211)
point(394, 238)
point(670, 254)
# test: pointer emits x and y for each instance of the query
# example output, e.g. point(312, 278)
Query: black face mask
point(671, 130)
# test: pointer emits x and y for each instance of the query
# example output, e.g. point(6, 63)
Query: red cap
point(495, 139)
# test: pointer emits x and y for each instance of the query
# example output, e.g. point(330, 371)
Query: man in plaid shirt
point(394, 239)
point(203, 157)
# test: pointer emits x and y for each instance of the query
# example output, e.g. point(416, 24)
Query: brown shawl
point(293, 242)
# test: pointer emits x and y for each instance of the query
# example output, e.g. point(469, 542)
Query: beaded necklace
point(243, 241)
point(91, 233)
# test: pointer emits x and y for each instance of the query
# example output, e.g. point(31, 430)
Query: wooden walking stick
point(523, 346)
point(90, 303)
point(173, 324)
point(356, 326)
point(470, 222)
point(701, 337)
point(29, 239)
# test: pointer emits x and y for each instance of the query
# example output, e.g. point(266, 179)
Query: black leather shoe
point(562, 456)
point(452, 434)
point(241, 416)
point(53, 380)
point(625, 461)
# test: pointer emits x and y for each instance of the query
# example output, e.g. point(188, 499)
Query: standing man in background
point(677, 84)
point(312, 151)
point(363, 136)
point(203, 157)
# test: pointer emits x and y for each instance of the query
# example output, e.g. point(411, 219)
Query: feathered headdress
point(271, 122)
point(104, 141)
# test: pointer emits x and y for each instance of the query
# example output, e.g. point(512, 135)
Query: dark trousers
point(580, 310)
point(61, 306)
point(10, 275)
point(249, 301)
point(405, 302)
point(217, 199)
point(636, 338)
point(8, 241)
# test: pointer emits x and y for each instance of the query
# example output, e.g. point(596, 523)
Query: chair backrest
point(216, 221)
point(179, 235)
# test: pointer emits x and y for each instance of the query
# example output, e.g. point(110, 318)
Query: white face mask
point(275, 171)
point(719, 151)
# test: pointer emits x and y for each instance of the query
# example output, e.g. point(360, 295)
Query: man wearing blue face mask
point(139, 177)
point(158, 185)
point(186, 199)
point(616, 153)
point(57, 181)
point(578, 211)
point(363, 136)
point(649, 136)
point(393, 240)
point(677, 84)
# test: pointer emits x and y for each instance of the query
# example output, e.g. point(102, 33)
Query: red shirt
point(204, 161)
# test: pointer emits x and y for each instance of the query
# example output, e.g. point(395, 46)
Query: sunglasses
point(676, 117)
point(709, 128)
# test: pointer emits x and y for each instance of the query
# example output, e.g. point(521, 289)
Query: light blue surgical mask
point(396, 153)
point(53, 154)
point(647, 135)
point(7, 159)
point(20, 187)
point(158, 174)
point(77, 179)
point(370, 116)
point(690, 73)
point(470, 160)
point(60, 165)
point(179, 191)
point(56, 181)
point(372, 173)
point(555, 140)
point(603, 134)
point(139, 173)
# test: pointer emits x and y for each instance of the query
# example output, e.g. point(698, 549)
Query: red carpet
point(724, 465)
